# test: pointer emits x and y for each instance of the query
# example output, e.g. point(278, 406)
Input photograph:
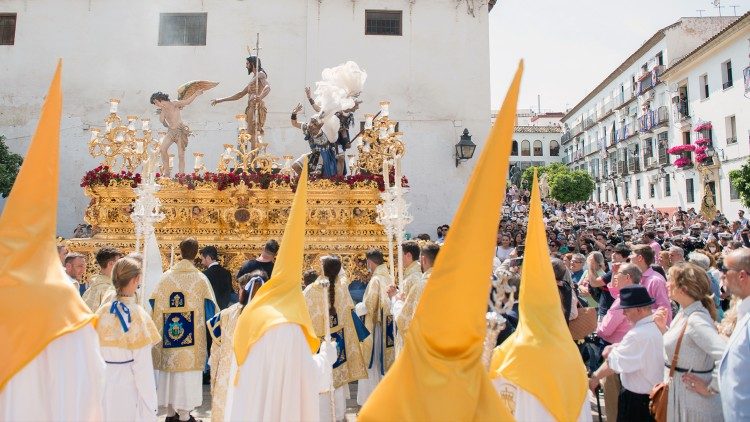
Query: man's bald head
point(737, 274)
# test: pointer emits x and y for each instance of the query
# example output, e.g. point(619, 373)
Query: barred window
point(182, 29)
point(383, 22)
point(7, 28)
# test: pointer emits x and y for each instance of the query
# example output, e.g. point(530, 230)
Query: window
point(663, 141)
point(554, 148)
point(182, 29)
point(731, 125)
point(514, 148)
point(703, 85)
point(525, 148)
point(733, 194)
point(660, 58)
point(626, 191)
point(7, 28)
point(383, 22)
point(667, 187)
point(689, 190)
point(538, 148)
point(726, 74)
point(651, 190)
point(638, 189)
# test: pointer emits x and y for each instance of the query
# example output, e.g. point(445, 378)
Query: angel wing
point(189, 88)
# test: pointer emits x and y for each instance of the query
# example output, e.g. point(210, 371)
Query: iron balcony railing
point(662, 115)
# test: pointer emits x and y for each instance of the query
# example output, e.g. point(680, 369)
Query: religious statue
point(343, 139)
point(322, 157)
point(177, 131)
point(543, 186)
point(256, 90)
point(708, 205)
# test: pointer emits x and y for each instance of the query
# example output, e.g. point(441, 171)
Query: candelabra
point(120, 140)
point(393, 215)
point(249, 154)
point(147, 212)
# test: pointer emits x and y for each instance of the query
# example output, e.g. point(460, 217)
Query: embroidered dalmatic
point(350, 363)
point(221, 327)
point(412, 277)
point(182, 303)
point(99, 286)
point(126, 335)
point(411, 299)
point(379, 315)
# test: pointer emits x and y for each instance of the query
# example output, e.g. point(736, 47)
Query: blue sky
point(571, 46)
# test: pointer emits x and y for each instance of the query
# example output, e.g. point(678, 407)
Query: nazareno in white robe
point(280, 379)
point(526, 407)
point(65, 382)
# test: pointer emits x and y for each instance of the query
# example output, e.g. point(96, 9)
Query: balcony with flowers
point(685, 152)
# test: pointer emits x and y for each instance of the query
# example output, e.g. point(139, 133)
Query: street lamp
point(465, 148)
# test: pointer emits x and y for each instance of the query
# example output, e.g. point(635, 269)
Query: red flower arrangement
point(679, 149)
point(703, 126)
point(701, 157)
point(101, 176)
point(702, 141)
point(682, 162)
point(700, 150)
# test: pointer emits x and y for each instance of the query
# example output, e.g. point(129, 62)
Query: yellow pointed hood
point(439, 374)
point(38, 303)
point(542, 332)
point(280, 300)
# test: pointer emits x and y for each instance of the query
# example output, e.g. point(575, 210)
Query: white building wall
point(720, 104)
point(110, 50)
point(583, 150)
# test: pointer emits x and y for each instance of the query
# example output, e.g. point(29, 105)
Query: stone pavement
point(203, 413)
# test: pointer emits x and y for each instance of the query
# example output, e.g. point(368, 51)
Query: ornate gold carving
point(240, 219)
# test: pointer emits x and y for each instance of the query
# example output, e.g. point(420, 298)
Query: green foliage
point(552, 169)
point(740, 179)
point(571, 186)
point(10, 163)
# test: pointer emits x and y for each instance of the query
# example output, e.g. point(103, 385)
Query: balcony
point(662, 116)
point(647, 121)
point(565, 138)
point(634, 165)
point(649, 79)
point(577, 129)
point(623, 99)
point(588, 123)
point(566, 160)
point(649, 162)
point(622, 168)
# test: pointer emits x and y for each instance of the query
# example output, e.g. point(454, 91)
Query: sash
point(122, 312)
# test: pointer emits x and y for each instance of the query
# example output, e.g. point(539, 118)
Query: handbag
point(584, 324)
point(659, 396)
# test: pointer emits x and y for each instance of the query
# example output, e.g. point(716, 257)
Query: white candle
point(383, 133)
point(94, 133)
point(198, 162)
point(368, 121)
point(241, 124)
point(113, 103)
point(385, 172)
point(397, 167)
point(384, 106)
point(131, 125)
point(139, 147)
point(145, 123)
point(391, 128)
point(171, 161)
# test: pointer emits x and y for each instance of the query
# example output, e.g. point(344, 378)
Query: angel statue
point(171, 117)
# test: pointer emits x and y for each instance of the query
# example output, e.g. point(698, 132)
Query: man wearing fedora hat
point(638, 358)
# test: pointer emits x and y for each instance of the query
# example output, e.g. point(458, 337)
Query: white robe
point(65, 382)
point(529, 408)
point(129, 391)
point(366, 386)
point(280, 379)
point(181, 390)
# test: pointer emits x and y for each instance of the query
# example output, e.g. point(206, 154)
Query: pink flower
point(682, 162)
point(679, 149)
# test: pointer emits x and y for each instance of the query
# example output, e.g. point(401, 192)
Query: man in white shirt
point(638, 358)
